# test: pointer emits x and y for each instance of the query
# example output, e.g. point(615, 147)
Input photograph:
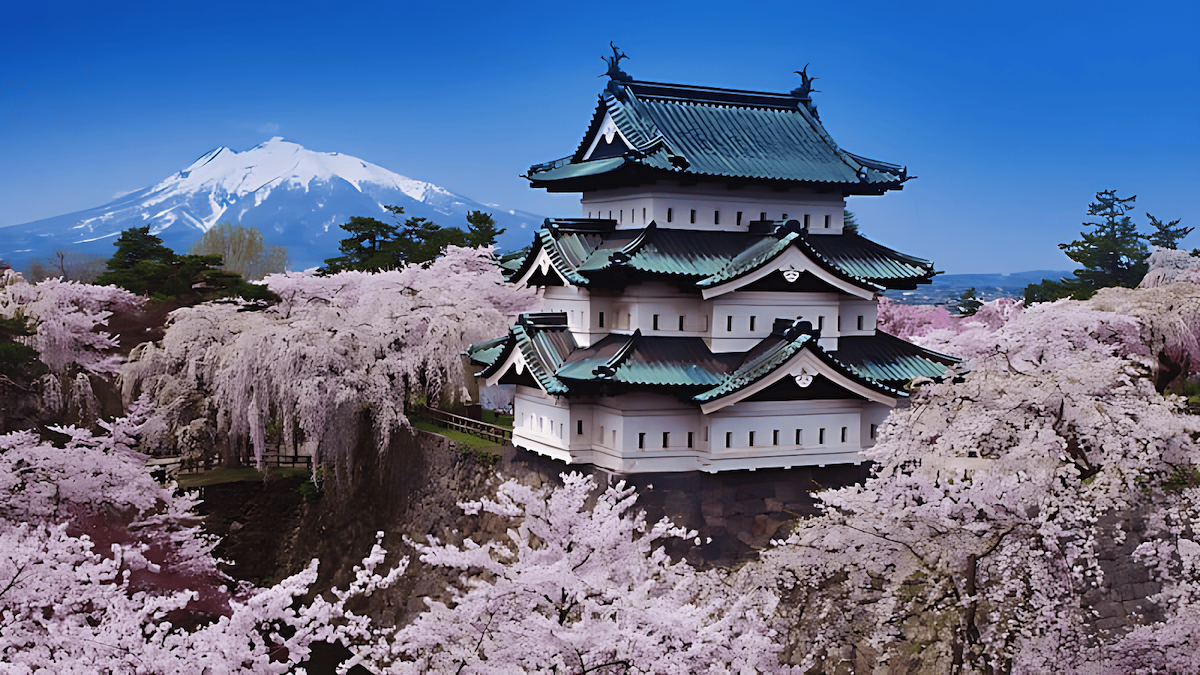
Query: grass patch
point(452, 434)
point(238, 475)
point(493, 417)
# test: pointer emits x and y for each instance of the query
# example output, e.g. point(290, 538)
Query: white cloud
point(269, 128)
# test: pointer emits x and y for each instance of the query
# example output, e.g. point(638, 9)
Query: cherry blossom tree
point(369, 340)
point(971, 546)
point(578, 588)
point(103, 570)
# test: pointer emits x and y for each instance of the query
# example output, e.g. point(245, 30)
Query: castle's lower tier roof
point(586, 252)
point(645, 131)
point(540, 351)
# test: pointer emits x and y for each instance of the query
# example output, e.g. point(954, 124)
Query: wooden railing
point(192, 465)
point(492, 432)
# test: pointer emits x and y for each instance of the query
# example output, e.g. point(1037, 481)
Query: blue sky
point(1012, 115)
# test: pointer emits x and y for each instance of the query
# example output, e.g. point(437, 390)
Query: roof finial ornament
point(805, 91)
point(614, 64)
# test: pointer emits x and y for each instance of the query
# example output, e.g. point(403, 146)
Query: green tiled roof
point(602, 254)
point(687, 365)
point(684, 130)
point(485, 353)
point(886, 358)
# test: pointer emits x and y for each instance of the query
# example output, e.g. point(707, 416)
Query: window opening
point(806, 221)
point(666, 439)
point(762, 215)
point(729, 324)
point(716, 217)
point(820, 323)
point(706, 433)
point(739, 218)
point(839, 323)
point(751, 439)
point(693, 216)
point(784, 217)
point(655, 322)
point(643, 215)
point(827, 219)
point(601, 320)
point(669, 214)
point(681, 322)
point(860, 322)
point(775, 437)
point(821, 436)
point(641, 441)
point(728, 439)
point(752, 324)
point(578, 427)
point(843, 434)
point(873, 432)
point(690, 439)
point(798, 437)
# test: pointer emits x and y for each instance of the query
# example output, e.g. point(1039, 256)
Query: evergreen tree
point(968, 304)
point(849, 222)
point(481, 229)
point(372, 245)
point(137, 245)
point(1113, 253)
point(1166, 235)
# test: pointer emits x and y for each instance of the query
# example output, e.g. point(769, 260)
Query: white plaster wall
point(540, 418)
point(873, 415)
point(851, 309)
point(636, 207)
point(819, 308)
point(838, 418)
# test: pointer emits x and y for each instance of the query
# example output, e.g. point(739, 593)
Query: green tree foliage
point(481, 229)
point(1112, 253)
point(374, 245)
point(849, 222)
point(242, 251)
point(1166, 235)
point(968, 304)
point(144, 266)
point(19, 362)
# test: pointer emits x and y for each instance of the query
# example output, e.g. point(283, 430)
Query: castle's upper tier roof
point(647, 131)
point(592, 252)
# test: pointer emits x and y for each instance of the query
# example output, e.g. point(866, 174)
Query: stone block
point(773, 505)
point(1110, 609)
point(1147, 588)
point(712, 508)
point(1135, 606)
point(1112, 623)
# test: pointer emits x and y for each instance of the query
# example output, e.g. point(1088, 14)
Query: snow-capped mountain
point(296, 197)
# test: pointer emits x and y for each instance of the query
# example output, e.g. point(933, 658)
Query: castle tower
point(708, 310)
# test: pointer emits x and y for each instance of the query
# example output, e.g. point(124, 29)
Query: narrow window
point(784, 217)
point(739, 218)
point(821, 436)
point(843, 434)
point(541, 423)
point(752, 324)
point(729, 324)
point(716, 217)
point(693, 216)
point(666, 439)
point(827, 219)
point(601, 433)
point(655, 322)
point(762, 216)
point(706, 433)
point(806, 221)
point(578, 427)
point(705, 323)
point(610, 215)
point(644, 216)
point(680, 323)
point(799, 437)
point(860, 322)
point(641, 441)
point(839, 323)
point(873, 432)
point(728, 439)
point(614, 439)
point(629, 321)
point(751, 438)
point(669, 215)
point(589, 214)
point(621, 215)
point(561, 431)
point(601, 319)
point(690, 438)
point(775, 437)
point(820, 323)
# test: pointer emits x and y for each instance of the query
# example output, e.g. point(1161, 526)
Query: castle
point(709, 310)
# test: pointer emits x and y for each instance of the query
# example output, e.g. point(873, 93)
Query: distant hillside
point(946, 288)
point(296, 197)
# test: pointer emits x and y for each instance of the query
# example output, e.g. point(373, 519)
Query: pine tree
point(481, 229)
point(1166, 235)
point(1113, 253)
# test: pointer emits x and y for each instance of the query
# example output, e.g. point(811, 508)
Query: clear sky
point(1011, 114)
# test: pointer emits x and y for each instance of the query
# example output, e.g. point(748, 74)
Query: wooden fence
point(177, 464)
point(492, 432)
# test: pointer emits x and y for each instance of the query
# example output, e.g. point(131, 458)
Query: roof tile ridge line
point(557, 258)
point(639, 241)
point(847, 368)
point(593, 127)
point(924, 349)
point(711, 88)
point(657, 139)
point(720, 277)
point(626, 349)
point(751, 372)
point(834, 267)
point(544, 375)
point(820, 129)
